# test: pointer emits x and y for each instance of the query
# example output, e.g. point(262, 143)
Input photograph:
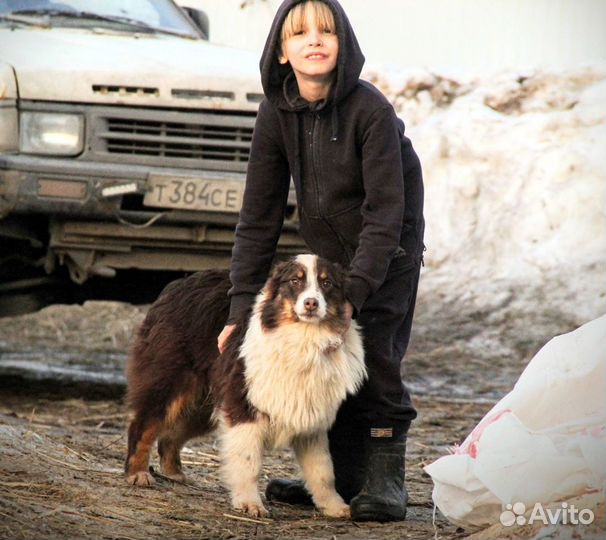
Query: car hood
point(75, 65)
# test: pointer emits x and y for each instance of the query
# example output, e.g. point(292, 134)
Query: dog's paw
point(252, 508)
point(336, 510)
point(141, 478)
point(177, 477)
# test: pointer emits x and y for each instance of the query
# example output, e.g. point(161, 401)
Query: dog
point(290, 362)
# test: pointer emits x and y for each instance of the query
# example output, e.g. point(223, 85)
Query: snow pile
point(515, 172)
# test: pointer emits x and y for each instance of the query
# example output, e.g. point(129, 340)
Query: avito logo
point(515, 514)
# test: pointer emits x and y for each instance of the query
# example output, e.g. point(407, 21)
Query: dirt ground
point(61, 477)
point(62, 445)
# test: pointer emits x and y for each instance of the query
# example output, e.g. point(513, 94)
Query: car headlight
point(51, 133)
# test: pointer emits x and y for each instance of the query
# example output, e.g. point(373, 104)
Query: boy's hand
point(224, 336)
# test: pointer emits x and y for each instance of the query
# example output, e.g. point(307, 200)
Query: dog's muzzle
point(310, 309)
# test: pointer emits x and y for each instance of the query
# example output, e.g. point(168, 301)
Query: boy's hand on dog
point(224, 336)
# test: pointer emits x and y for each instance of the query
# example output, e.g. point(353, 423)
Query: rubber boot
point(349, 477)
point(383, 496)
point(348, 451)
point(288, 491)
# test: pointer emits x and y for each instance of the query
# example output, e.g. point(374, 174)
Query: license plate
point(191, 193)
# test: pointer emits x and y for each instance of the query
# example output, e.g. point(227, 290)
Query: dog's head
point(305, 289)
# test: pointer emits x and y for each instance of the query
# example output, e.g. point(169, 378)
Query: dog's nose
point(311, 304)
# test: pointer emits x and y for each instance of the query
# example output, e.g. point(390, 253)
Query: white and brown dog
point(285, 371)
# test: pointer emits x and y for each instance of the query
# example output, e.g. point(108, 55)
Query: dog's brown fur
point(168, 385)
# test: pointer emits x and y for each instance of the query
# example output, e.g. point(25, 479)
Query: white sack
point(544, 441)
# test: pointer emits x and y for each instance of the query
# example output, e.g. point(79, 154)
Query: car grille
point(212, 140)
point(192, 141)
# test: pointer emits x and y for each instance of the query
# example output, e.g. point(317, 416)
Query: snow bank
point(515, 172)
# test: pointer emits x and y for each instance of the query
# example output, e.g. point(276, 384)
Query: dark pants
point(384, 403)
point(382, 411)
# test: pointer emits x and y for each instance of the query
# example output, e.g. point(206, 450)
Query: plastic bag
point(543, 442)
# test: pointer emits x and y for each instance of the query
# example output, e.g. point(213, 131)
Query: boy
point(360, 197)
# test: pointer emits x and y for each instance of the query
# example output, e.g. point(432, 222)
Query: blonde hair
point(295, 20)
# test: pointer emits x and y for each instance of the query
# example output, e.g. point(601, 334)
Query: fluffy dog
point(285, 371)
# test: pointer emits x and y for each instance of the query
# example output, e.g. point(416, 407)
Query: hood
point(349, 62)
point(76, 65)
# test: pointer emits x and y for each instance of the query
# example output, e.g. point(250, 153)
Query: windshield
point(136, 15)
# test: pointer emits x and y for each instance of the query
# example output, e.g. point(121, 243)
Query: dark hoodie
point(358, 180)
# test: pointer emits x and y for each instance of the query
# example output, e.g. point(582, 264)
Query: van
point(124, 138)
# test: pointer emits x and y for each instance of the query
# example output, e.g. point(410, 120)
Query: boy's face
point(312, 51)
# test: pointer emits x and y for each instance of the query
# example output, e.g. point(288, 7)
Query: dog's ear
point(273, 283)
point(341, 277)
point(340, 272)
point(270, 309)
point(280, 267)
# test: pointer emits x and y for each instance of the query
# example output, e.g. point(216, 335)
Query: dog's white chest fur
point(299, 374)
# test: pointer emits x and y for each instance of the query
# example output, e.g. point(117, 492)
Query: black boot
point(348, 451)
point(348, 442)
point(383, 496)
point(349, 477)
point(288, 491)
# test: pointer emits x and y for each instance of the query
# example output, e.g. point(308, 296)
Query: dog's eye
point(295, 282)
point(326, 284)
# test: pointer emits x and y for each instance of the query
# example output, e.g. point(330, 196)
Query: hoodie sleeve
point(262, 213)
point(383, 207)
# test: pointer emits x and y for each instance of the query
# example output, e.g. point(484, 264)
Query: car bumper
point(97, 232)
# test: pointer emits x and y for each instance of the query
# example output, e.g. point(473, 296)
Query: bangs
point(295, 20)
